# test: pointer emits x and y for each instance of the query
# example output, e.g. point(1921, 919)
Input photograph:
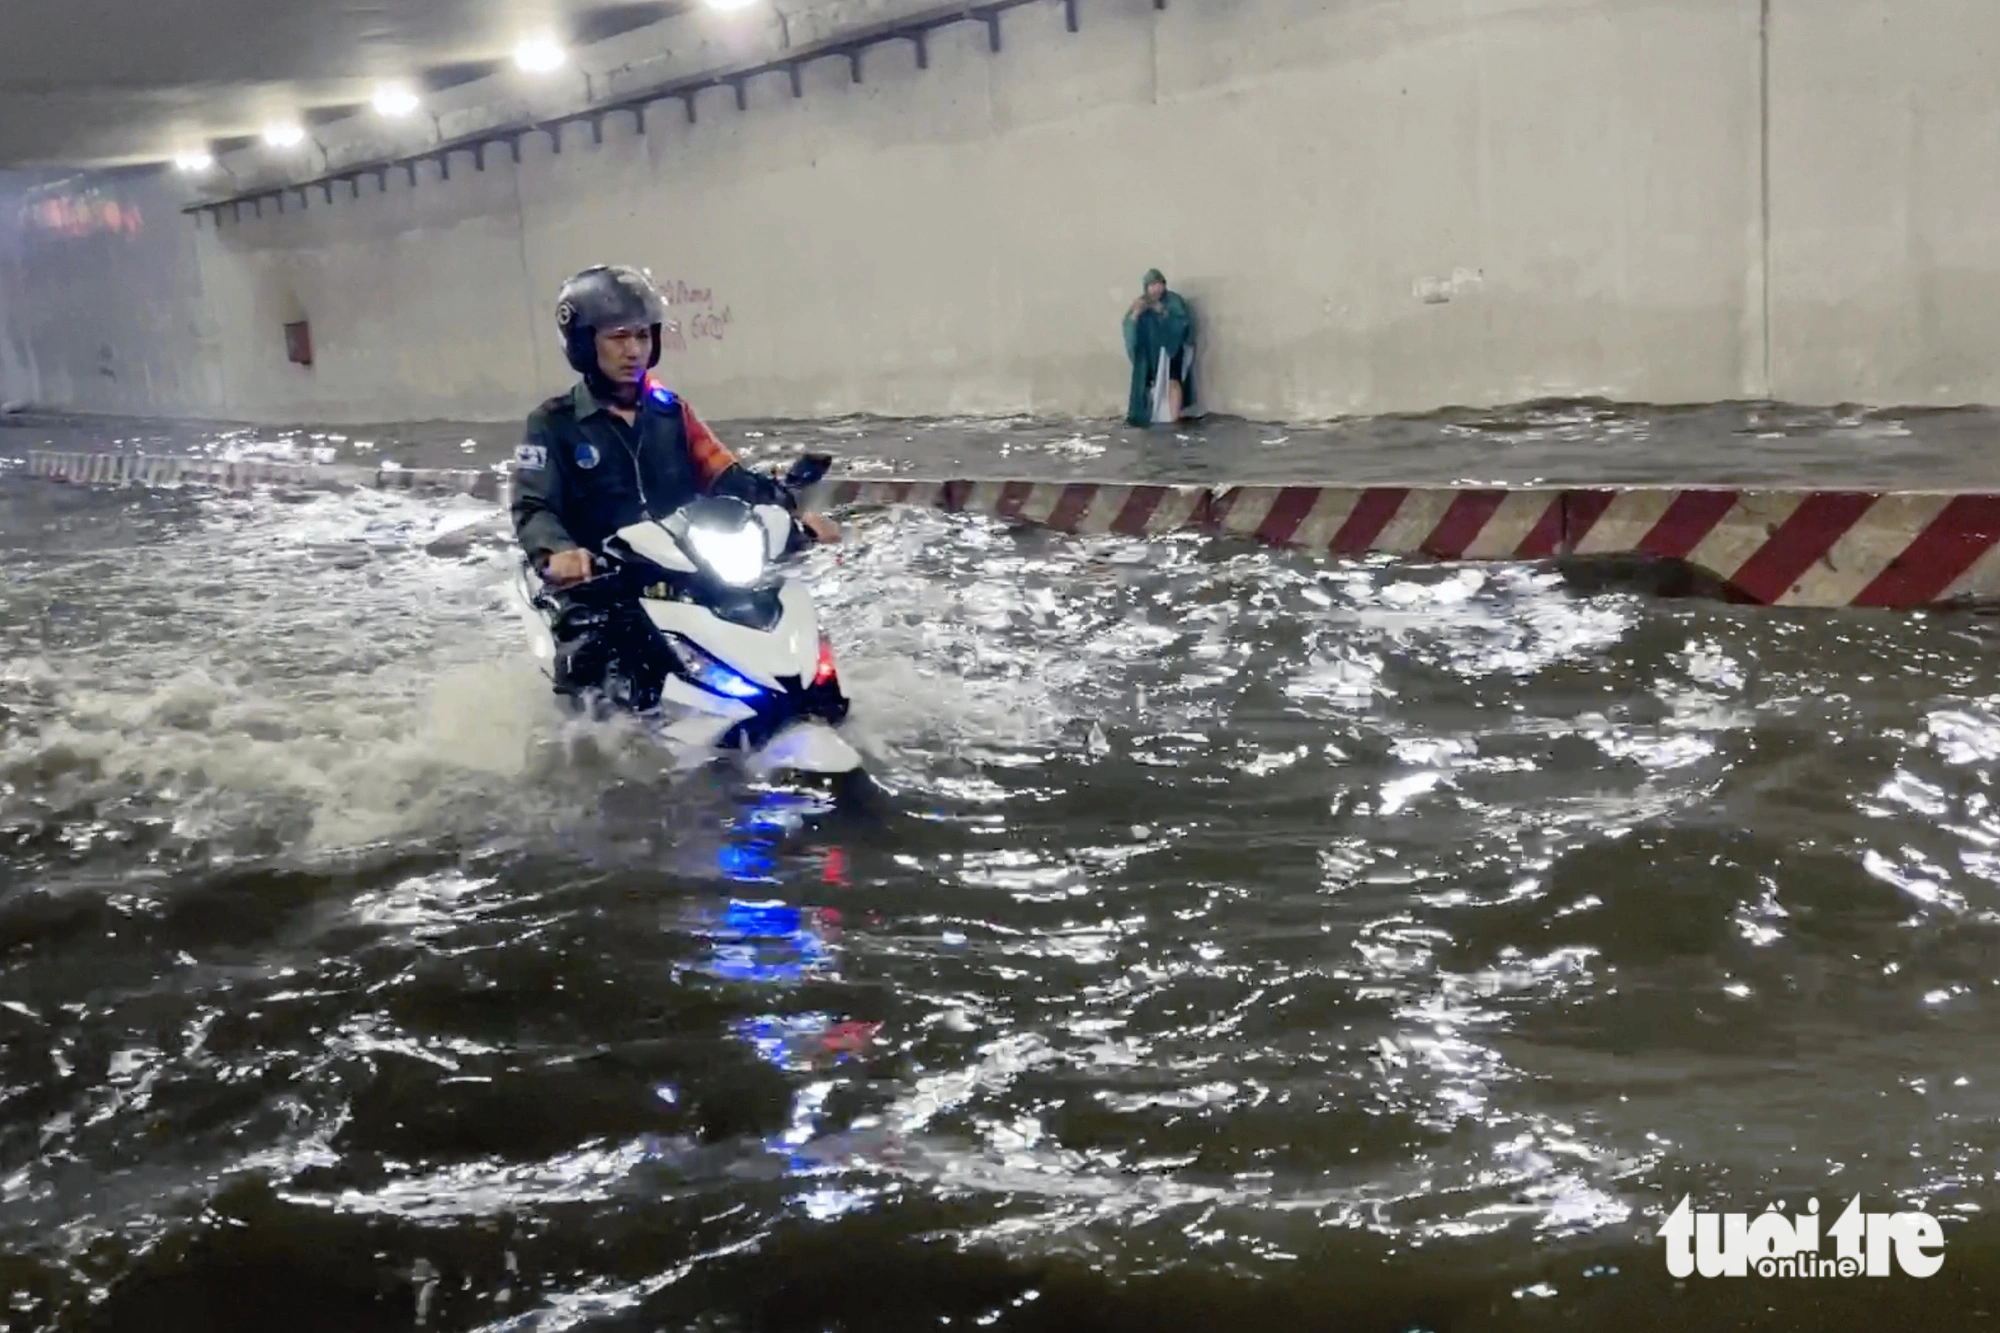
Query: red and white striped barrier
point(1776, 547)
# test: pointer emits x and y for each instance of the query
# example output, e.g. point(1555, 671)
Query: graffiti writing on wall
point(88, 212)
point(695, 316)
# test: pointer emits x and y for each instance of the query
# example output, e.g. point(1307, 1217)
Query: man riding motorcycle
point(617, 449)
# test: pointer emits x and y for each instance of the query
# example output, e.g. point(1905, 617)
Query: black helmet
point(606, 296)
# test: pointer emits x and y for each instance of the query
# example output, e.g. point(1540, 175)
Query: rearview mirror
point(808, 470)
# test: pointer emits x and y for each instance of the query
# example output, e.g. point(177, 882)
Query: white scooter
point(705, 637)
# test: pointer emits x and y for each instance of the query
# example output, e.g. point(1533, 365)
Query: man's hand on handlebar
point(571, 566)
point(820, 526)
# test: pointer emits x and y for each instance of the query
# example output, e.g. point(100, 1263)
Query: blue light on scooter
point(719, 679)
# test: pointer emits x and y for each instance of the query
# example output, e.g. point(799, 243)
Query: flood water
point(1244, 936)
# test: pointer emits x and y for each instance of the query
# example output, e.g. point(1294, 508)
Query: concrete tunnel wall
point(102, 304)
point(1376, 206)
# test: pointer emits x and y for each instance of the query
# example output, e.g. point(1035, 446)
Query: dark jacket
point(581, 473)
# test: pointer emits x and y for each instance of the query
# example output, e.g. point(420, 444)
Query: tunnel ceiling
point(108, 82)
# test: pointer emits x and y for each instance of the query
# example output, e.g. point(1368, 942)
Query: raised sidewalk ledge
point(1773, 546)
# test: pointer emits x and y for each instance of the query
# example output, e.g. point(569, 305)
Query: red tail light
point(826, 668)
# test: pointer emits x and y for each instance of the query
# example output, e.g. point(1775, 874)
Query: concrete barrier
point(1904, 549)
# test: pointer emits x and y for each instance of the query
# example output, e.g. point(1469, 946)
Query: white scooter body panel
point(695, 737)
point(788, 648)
point(777, 530)
point(657, 545)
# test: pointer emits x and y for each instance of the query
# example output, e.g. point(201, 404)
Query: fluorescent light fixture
point(730, 6)
point(283, 135)
point(194, 160)
point(393, 100)
point(539, 54)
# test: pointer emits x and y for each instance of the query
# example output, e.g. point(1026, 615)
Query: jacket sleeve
point(538, 493)
point(720, 473)
point(711, 457)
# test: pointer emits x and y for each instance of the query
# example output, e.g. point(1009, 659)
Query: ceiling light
point(284, 135)
point(194, 160)
point(395, 100)
point(730, 6)
point(538, 55)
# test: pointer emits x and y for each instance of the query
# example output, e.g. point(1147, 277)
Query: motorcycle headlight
point(734, 555)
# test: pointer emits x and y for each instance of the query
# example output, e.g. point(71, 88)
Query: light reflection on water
point(1232, 905)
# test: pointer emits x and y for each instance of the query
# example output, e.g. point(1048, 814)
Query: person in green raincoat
point(1159, 337)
